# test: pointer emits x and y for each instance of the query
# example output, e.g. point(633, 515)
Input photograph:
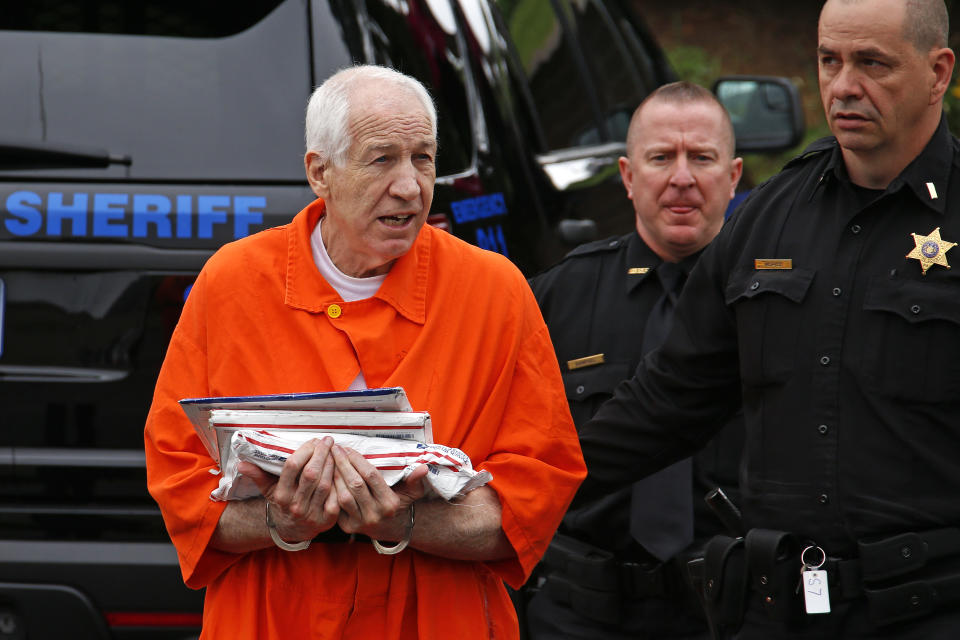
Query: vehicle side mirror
point(766, 111)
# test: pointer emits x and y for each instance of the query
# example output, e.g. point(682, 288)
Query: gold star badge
point(931, 250)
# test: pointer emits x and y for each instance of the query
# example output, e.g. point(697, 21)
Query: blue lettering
point(244, 216)
point(30, 219)
point(207, 215)
point(151, 209)
point(501, 240)
point(57, 211)
point(108, 207)
point(479, 208)
point(492, 239)
point(183, 216)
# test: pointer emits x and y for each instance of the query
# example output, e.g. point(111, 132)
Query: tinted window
point(190, 18)
point(421, 39)
point(78, 377)
point(547, 56)
point(616, 80)
point(183, 109)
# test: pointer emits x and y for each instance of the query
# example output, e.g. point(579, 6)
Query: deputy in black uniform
point(613, 570)
point(828, 310)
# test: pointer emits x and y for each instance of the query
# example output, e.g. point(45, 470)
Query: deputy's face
point(874, 84)
point(681, 175)
point(378, 201)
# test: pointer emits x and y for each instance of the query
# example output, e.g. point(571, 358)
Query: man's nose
point(404, 184)
point(681, 176)
point(846, 84)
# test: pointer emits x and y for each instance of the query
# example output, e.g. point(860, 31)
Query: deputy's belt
point(896, 575)
point(882, 574)
point(598, 569)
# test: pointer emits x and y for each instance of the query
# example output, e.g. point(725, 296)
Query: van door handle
point(32, 155)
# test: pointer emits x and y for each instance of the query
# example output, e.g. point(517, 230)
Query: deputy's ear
point(941, 61)
point(626, 174)
point(317, 174)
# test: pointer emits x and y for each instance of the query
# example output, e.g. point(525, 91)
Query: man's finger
point(311, 477)
point(290, 476)
point(371, 477)
point(266, 482)
point(324, 489)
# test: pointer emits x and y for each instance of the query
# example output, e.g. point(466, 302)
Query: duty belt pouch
point(724, 580)
point(774, 561)
point(589, 566)
point(898, 583)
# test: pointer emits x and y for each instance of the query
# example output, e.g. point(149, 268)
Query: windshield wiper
point(31, 155)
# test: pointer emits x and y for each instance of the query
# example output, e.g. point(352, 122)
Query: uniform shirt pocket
point(767, 306)
point(912, 339)
point(590, 387)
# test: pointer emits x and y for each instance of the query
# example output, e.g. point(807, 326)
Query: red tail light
point(153, 619)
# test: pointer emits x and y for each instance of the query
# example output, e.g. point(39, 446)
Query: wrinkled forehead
point(862, 23)
point(380, 118)
point(669, 124)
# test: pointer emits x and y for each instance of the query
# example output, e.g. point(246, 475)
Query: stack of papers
point(384, 412)
point(378, 423)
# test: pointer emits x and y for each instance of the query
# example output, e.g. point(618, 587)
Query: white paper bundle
point(450, 471)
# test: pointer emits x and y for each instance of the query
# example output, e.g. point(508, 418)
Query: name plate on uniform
point(587, 361)
point(773, 263)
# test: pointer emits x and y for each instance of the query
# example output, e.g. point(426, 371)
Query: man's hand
point(302, 500)
point(367, 504)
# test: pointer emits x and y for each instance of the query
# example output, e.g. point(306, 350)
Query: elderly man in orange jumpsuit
point(357, 292)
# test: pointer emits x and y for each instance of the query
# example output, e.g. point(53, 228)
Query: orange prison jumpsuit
point(455, 326)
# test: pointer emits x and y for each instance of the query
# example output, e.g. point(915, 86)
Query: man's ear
point(626, 174)
point(941, 61)
point(736, 172)
point(317, 174)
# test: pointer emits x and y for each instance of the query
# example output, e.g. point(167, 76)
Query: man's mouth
point(849, 116)
point(397, 220)
point(681, 209)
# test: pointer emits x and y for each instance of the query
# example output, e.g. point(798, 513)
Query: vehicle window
point(79, 376)
point(553, 72)
point(422, 39)
point(616, 79)
point(184, 109)
point(183, 18)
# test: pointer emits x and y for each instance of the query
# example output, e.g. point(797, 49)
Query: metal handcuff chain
point(400, 546)
point(280, 542)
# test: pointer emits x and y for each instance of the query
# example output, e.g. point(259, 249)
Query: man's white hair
point(328, 112)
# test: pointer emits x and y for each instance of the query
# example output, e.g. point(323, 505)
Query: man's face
point(378, 201)
point(680, 175)
point(874, 84)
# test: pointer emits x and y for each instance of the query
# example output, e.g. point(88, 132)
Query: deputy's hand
point(367, 504)
point(303, 500)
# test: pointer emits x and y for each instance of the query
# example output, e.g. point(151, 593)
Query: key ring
point(823, 557)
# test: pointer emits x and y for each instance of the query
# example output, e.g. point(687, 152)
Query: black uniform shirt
point(596, 301)
point(848, 361)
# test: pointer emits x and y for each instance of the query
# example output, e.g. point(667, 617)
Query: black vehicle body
point(137, 138)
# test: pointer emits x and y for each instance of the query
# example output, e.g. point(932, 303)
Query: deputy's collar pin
point(930, 250)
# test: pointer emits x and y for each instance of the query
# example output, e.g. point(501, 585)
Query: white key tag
point(813, 581)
